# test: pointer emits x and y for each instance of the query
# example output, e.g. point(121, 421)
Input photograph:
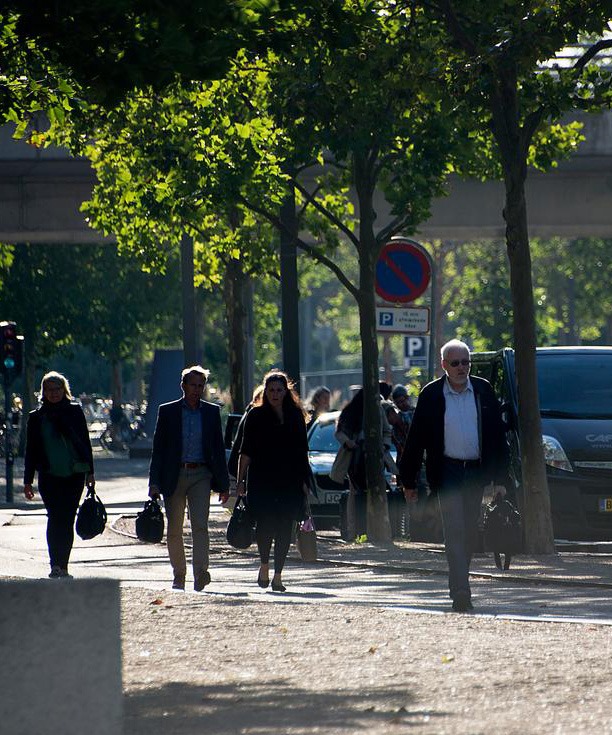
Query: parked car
point(575, 389)
point(322, 449)
point(328, 497)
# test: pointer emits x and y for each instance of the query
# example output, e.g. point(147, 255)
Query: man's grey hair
point(453, 344)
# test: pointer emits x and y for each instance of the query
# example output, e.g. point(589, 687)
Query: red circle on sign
point(403, 271)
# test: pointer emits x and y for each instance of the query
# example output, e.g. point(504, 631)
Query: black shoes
point(178, 583)
point(462, 603)
point(263, 583)
point(201, 581)
point(278, 587)
point(59, 573)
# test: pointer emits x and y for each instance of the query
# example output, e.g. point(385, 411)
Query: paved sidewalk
point(363, 640)
point(584, 568)
point(569, 568)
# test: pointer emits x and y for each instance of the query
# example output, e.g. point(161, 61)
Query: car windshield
point(575, 385)
point(322, 438)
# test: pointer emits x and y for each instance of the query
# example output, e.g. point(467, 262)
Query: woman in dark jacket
point(58, 448)
point(274, 452)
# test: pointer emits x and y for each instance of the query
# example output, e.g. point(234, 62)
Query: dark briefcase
point(150, 522)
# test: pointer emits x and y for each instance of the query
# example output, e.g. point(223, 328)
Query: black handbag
point(91, 518)
point(240, 532)
point(150, 522)
point(502, 530)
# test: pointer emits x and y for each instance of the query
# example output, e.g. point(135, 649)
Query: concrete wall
point(41, 192)
point(60, 658)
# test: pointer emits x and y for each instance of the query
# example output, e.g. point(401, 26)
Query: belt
point(463, 462)
point(192, 465)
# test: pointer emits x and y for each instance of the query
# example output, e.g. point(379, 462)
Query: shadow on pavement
point(263, 706)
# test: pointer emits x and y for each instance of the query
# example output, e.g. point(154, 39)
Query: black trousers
point(277, 528)
point(61, 496)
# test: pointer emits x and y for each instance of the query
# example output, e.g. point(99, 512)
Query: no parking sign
point(403, 271)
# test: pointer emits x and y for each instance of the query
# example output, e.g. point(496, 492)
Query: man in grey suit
point(188, 462)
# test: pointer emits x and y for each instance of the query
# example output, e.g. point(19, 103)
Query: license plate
point(605, 505)
point(335, 498)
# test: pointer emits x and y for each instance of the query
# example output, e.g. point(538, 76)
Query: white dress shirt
point(460, 423)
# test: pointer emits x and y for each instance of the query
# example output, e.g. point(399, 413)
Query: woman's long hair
point(351, 416)
point(54, 377)
point(291, 401)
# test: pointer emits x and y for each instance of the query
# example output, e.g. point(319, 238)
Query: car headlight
point(555, 455)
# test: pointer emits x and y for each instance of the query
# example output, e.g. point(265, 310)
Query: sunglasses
point(456, 363)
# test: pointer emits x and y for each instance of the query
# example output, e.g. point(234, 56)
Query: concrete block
point(60, 657)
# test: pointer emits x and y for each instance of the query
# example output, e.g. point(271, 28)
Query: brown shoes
point(201, 581)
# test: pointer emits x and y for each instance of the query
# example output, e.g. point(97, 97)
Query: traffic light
point(11, 350)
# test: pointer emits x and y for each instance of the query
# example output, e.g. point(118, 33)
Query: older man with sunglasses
point(457, 423)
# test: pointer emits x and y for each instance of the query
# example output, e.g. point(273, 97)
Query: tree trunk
point(117, 409)
point(379, 528)
point(536, 500)
point(290, 295)
point(139, 372)
point(236, 318)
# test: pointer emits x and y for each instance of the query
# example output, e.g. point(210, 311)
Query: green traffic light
point(9, 363)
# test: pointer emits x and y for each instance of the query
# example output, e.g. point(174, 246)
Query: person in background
point(274, 472)
point(59, 449)
point(402, 401)
point(458, 425)
point(399, 430)
point(349, 433)
point(384, 389)
point(401, 422)
point(319, 403)
point(188, 461)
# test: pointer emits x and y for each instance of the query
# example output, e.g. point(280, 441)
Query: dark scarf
point(59, 415)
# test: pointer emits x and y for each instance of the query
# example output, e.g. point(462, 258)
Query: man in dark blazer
point(457, 423)
point(188, 461)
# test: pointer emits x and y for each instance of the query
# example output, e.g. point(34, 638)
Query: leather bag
point(240, 532)
point(502, 530)
point(91, 517)
point(150, 522)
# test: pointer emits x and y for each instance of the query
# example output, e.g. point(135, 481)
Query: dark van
point(575, 388)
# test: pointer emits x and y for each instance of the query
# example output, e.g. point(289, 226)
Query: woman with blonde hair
point(58, 448)
point(273, 471)
point(319, 403)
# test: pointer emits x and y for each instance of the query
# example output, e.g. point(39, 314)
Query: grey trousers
point(460, 499)
point(192, 490)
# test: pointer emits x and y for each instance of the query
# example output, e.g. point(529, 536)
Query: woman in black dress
point(58, 448)
point(273, 471)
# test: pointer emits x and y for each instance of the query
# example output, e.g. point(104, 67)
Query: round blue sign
point(403, 271)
